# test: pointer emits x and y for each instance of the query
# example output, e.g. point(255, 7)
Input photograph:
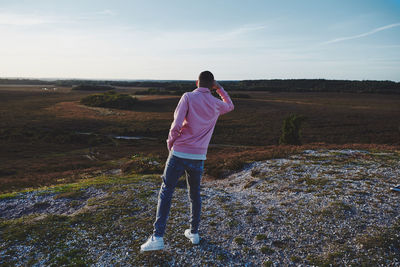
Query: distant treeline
point(25, 81)
point(276, 85)
point(317, 85)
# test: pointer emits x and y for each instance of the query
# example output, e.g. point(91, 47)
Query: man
point(190, 133)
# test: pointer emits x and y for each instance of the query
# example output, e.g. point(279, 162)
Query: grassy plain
point(42, 141)
point(95, 194)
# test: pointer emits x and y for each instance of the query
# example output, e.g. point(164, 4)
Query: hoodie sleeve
point(226, 104)
point(179, 117)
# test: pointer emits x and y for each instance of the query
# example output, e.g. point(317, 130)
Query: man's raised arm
point(226, 104)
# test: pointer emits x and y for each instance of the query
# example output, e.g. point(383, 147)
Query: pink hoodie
point(195, 118)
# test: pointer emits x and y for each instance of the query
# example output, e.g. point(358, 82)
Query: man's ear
point(197, 83)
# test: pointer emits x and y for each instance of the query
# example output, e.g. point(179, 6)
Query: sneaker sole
point(193, 241)
point(152, 249)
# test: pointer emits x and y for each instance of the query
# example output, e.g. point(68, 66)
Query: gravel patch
point(43, 202)
point(317, 207)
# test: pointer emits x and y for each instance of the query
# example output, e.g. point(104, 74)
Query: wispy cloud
point(106, 12)
point(341, 39)
point(201, 41)
point(239, 31)
point(22, 19)
point(97, 14)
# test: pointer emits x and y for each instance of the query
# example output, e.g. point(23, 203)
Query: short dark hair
point(206, 79)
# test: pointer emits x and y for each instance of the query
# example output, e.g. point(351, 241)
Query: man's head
point(206, 79)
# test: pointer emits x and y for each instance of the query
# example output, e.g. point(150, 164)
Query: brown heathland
point(41, 140)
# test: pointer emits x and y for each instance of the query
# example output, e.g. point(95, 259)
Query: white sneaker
point(153, 243)
point(396, 188)
point(194, 238)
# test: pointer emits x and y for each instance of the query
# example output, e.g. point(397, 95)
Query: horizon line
point(49, 79)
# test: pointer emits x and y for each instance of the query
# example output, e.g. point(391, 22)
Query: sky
point(177, 39)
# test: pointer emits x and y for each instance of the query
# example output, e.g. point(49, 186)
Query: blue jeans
point(175, 167)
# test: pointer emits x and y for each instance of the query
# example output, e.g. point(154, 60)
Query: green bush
point(266, 250)
point(261, 237)
point(110, 99)
point(291, 130)
point(239, 240)
point(143, 165)
point(93, 87)
point(161, 91)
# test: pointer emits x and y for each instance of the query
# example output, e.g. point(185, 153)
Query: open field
point(41, 141)
point(65, 171)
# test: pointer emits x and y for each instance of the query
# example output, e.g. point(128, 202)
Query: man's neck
point(204, 87)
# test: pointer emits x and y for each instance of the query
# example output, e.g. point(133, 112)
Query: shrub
point(160, 91)
point(295, 259)
point(261, 237)
point(239, 240)
point(291, 130)
point(266, 250)
point(110, 99)
point(143, 165)
point(93, 87)
point(252, 211)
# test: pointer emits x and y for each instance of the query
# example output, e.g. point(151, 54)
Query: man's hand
point(216, 85)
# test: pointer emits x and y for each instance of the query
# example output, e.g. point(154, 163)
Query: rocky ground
point(313, 208)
